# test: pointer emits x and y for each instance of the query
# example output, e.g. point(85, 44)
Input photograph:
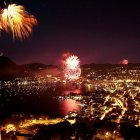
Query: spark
point(15, 19)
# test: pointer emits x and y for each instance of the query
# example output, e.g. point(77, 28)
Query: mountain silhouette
point(8, 69)
point(5, 63)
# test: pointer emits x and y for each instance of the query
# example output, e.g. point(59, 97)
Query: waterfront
point(35, 101)
point(100, 104)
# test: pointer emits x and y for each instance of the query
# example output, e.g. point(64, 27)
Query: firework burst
point(15, 19)
point(72, 62)
point(72, 69)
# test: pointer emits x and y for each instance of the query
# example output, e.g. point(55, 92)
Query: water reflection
point(68, 105)
point(76, 91)
point(36, 100)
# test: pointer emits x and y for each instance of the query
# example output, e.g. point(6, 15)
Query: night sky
point(98, 31)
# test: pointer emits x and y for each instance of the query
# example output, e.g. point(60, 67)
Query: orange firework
point(15, 19)
point(0, 27)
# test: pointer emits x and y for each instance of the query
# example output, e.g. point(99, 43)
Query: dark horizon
point(92, 63)
point(95, 31)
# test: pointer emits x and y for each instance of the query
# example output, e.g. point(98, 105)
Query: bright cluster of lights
point(10, 127)
point(32, 122)
point(72, 70)
point(119, 102)
point(16, 20)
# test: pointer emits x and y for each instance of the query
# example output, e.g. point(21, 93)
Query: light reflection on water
point(76, 91)
point(34, 101)
point(68, 105)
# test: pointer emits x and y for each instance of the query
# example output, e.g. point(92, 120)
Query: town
point(104, 93)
